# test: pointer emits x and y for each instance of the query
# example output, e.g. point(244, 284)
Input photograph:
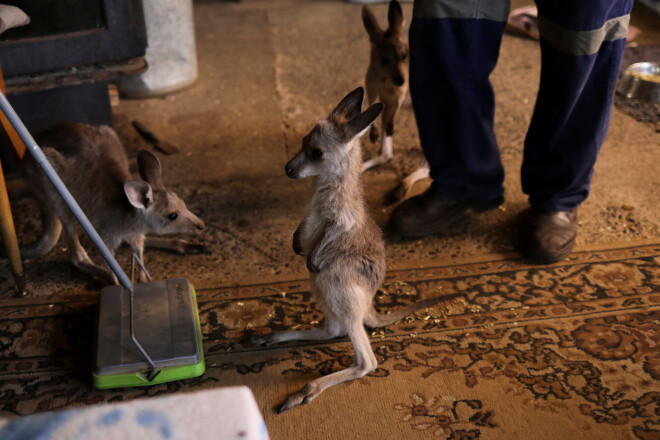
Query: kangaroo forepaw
point(312, 266)
point(297, 245)
point(297, 248)
point(302, 397)
point(108, 277)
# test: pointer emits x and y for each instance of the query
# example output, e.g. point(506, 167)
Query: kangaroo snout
point(289, 170)
point(197, 223)
point(200, 226)
point(292, 168)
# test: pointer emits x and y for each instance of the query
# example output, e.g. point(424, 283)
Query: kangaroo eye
point(173, 216)
point(317, 154)
point(384, 61)
point(404, 56)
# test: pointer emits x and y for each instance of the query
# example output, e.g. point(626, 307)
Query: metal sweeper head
point(146, 333)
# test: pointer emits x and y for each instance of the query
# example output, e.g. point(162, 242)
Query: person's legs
point(454, 46)
point(452, 54)
point(581, 50)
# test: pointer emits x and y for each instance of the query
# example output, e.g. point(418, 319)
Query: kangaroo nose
point(398, 81)
point(288, 169)
point(200, 225)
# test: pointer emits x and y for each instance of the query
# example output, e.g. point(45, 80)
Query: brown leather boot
point(552, 235)
point(431, 212)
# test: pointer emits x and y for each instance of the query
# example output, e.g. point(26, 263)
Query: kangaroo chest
point(328, 223)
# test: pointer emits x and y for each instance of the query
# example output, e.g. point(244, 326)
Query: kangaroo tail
point(375, 319)
point(52, 229)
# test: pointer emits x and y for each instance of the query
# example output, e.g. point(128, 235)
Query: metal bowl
point(641, 81)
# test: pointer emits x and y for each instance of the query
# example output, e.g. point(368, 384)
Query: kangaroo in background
point(344, 246)
point(387, 75)
point(93, 165)
point(387, 80)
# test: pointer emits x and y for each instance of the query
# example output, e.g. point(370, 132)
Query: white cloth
point(222, 413)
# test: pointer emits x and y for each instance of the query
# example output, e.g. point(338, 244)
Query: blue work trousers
point(452, 54)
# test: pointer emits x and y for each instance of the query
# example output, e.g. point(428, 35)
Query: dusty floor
point(267, 71)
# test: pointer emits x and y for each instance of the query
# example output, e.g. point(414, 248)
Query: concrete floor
point(267, 71)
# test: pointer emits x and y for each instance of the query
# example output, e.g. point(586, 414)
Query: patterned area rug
point(552, 352)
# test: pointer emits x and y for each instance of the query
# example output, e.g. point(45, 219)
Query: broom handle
point(39, 156)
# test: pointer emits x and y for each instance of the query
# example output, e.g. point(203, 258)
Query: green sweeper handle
point(39, 156)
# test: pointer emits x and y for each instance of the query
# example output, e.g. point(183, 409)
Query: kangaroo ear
point(149, 167)
point(138, 193)
point(348, 108)
point(357, 126)
point(370, 23)
point(395, 17)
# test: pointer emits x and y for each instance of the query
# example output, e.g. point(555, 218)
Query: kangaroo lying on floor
point(93, 165)
point(344, 247)
point(387, 81)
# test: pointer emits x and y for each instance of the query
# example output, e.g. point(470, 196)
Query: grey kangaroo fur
point(93, 165)
point(344, 246)
point(387, 81)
